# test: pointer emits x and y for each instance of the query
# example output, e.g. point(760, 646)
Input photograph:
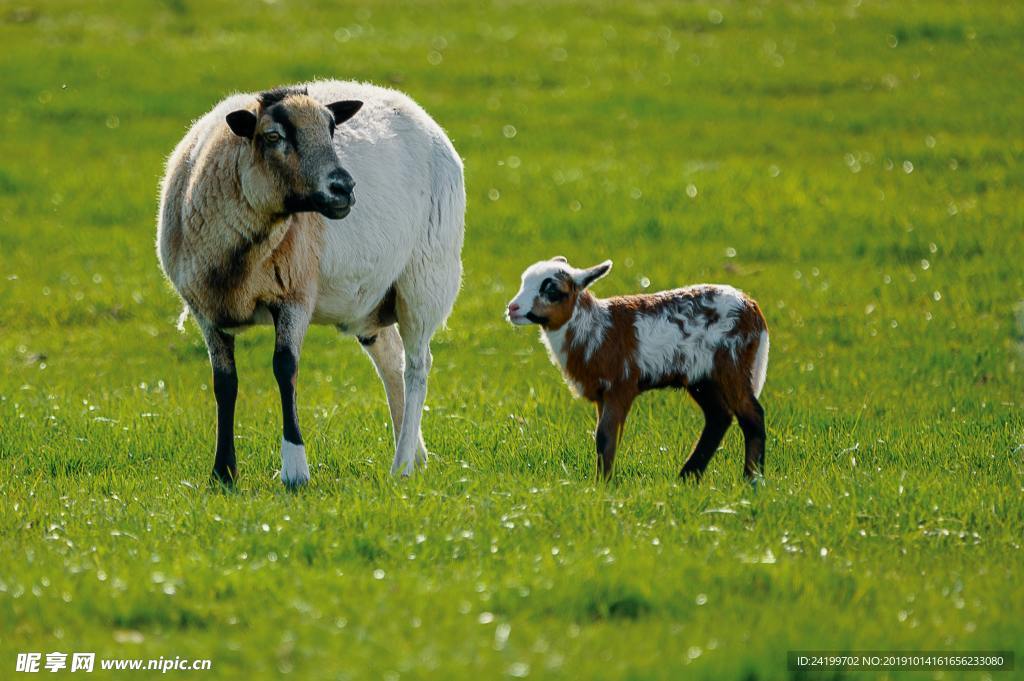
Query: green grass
point(857, 167)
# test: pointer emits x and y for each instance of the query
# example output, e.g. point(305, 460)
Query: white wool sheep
point(254, 227)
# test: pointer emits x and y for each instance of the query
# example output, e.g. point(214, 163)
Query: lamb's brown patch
point(751, 321)
point(735, 376)
point(612, 367)
point(655, 304)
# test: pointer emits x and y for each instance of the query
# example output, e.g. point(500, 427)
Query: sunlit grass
point(855, 166)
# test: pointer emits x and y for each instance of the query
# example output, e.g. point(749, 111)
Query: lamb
point(710, 339)
point(258, 224)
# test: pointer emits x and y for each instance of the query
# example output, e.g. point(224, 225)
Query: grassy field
point(855, 166)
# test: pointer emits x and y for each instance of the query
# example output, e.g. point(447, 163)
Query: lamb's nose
point(513, 308)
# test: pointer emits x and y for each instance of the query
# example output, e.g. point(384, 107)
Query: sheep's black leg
point(221, 347)
point(751, 420)
point(290, 324)
point(717, 419)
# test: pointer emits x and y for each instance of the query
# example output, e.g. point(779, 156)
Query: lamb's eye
point(272, 137)
point(550, 290)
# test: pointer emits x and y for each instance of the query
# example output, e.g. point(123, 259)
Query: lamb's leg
point(613, 411)
point(388, 356)
point(751, 420)
point(221, 347)
point(291, 320)
point(717, 419)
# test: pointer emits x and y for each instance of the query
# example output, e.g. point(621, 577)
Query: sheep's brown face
point(549, 292)
point(295, 167)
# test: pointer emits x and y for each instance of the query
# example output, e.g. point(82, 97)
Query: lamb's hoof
point(422, 456)
point(757, 481)
point(294, 468)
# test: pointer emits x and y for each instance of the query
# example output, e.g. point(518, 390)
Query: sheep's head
point(550, 290)
point(294, 166)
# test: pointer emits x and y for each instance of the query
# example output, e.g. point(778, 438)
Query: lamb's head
point(550, 290)
point(292, 165)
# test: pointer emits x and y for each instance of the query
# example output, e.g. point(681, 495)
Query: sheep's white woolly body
point(681, 338)
point(365, 253)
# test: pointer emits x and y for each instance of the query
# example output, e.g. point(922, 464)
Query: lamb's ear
point(242, 123)
point(559, 258)
point(344, 110)
point(585, 278)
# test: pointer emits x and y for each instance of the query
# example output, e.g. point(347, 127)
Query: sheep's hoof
point(690, 475)
point(403, 468)
point(223, 476)
point(294, 468)
point(294, 482)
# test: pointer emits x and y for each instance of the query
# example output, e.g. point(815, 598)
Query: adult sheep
point(255, 228)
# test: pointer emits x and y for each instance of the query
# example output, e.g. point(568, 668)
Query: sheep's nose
point(340, 188)
point(513, 308)
point(341, 183)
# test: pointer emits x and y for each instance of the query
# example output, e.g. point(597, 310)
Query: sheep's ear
point(344, 110)
point(587, 277)
point(559, 258)
point(242, 123)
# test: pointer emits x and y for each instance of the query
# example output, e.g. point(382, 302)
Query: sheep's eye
point(272, 137)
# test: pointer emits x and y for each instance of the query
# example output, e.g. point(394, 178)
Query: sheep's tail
point(759, 372)
point(182, 318)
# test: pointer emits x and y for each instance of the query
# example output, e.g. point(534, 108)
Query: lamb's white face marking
point(549, 286)
point(680, 338)
point(533, 280)
point(294, 469)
